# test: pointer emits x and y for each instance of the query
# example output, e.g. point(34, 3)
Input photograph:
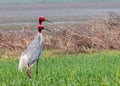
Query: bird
point(32, 53)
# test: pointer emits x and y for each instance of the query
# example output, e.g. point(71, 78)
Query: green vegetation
point(97, 69)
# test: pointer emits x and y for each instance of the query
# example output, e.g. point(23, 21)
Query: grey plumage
point(32, 52)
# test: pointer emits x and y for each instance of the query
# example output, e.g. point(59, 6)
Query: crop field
point(77, 51)
point(96, 69)
point(80, 48)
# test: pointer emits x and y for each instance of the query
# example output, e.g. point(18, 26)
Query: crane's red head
point(42, 18)
point(40, 27)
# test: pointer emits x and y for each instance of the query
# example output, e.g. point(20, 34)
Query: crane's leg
point(28, 70)
point(37, 67)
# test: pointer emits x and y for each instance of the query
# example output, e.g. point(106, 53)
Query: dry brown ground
point(90, 36)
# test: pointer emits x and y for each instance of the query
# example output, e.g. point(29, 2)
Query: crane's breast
point(33, 53)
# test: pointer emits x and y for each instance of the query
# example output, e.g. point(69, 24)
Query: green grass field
point(97, 69)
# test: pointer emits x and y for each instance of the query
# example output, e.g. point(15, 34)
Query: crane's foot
point(36, 72)
point(37, 67)
point(28, 73)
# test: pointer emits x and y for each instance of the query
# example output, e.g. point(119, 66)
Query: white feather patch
point(23, 62)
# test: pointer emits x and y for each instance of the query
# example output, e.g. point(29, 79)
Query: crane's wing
point(31, 54)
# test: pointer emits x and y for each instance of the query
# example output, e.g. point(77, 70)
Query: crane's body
point(32, 53)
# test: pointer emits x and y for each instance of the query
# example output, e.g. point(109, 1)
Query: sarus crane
point(32, 53)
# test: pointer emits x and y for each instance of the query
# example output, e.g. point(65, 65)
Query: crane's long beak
point(48, 20)
point(47, 29)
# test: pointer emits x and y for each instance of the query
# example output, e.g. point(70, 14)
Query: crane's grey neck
point(40, 37)
point(37, 40)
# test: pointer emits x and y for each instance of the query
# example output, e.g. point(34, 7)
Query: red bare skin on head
point(41, 19)
point(40, 28)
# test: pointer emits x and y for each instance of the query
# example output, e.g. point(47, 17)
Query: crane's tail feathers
point(22, 63)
